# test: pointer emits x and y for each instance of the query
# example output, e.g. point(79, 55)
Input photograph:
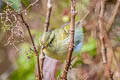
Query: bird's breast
point(55, 53)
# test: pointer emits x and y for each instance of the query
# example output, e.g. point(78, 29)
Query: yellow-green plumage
point(56, 42)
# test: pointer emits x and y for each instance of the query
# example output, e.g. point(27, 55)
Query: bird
point(55, 42)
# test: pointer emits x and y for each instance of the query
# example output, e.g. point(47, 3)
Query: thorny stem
point(46, 25)
point(71, 44)
point(36, 52)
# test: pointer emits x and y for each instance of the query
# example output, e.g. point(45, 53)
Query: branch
point(108, 27)
point(106, 47)
point(36, 52)
point(71, 45)
point(102, 33)
point(103, 36)
point(114, 13)
point(49, 10)
point(46, 25)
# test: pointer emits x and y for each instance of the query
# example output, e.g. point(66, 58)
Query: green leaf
point(89, 46)
point(58, 73)
point(77, 62)
point(15, 4)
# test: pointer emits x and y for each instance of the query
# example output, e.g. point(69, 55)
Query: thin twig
point(42, 57)
point(36, 52)
point(71, 45)
point(102, 33)
point(46, 25)
point(47, 22)
point(110, 55)
point(30, 5)
point(90, 9)
point(83, 18)
point(114, 13)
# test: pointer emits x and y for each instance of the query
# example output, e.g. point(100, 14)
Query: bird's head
point(46, 38)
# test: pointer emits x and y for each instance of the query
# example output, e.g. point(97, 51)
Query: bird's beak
point(45, 46)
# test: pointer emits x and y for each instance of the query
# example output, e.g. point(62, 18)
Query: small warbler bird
point(56, 42)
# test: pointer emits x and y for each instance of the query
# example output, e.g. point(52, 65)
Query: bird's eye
point(51, 41)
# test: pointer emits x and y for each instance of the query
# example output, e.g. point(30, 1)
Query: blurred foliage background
point(17, 60)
